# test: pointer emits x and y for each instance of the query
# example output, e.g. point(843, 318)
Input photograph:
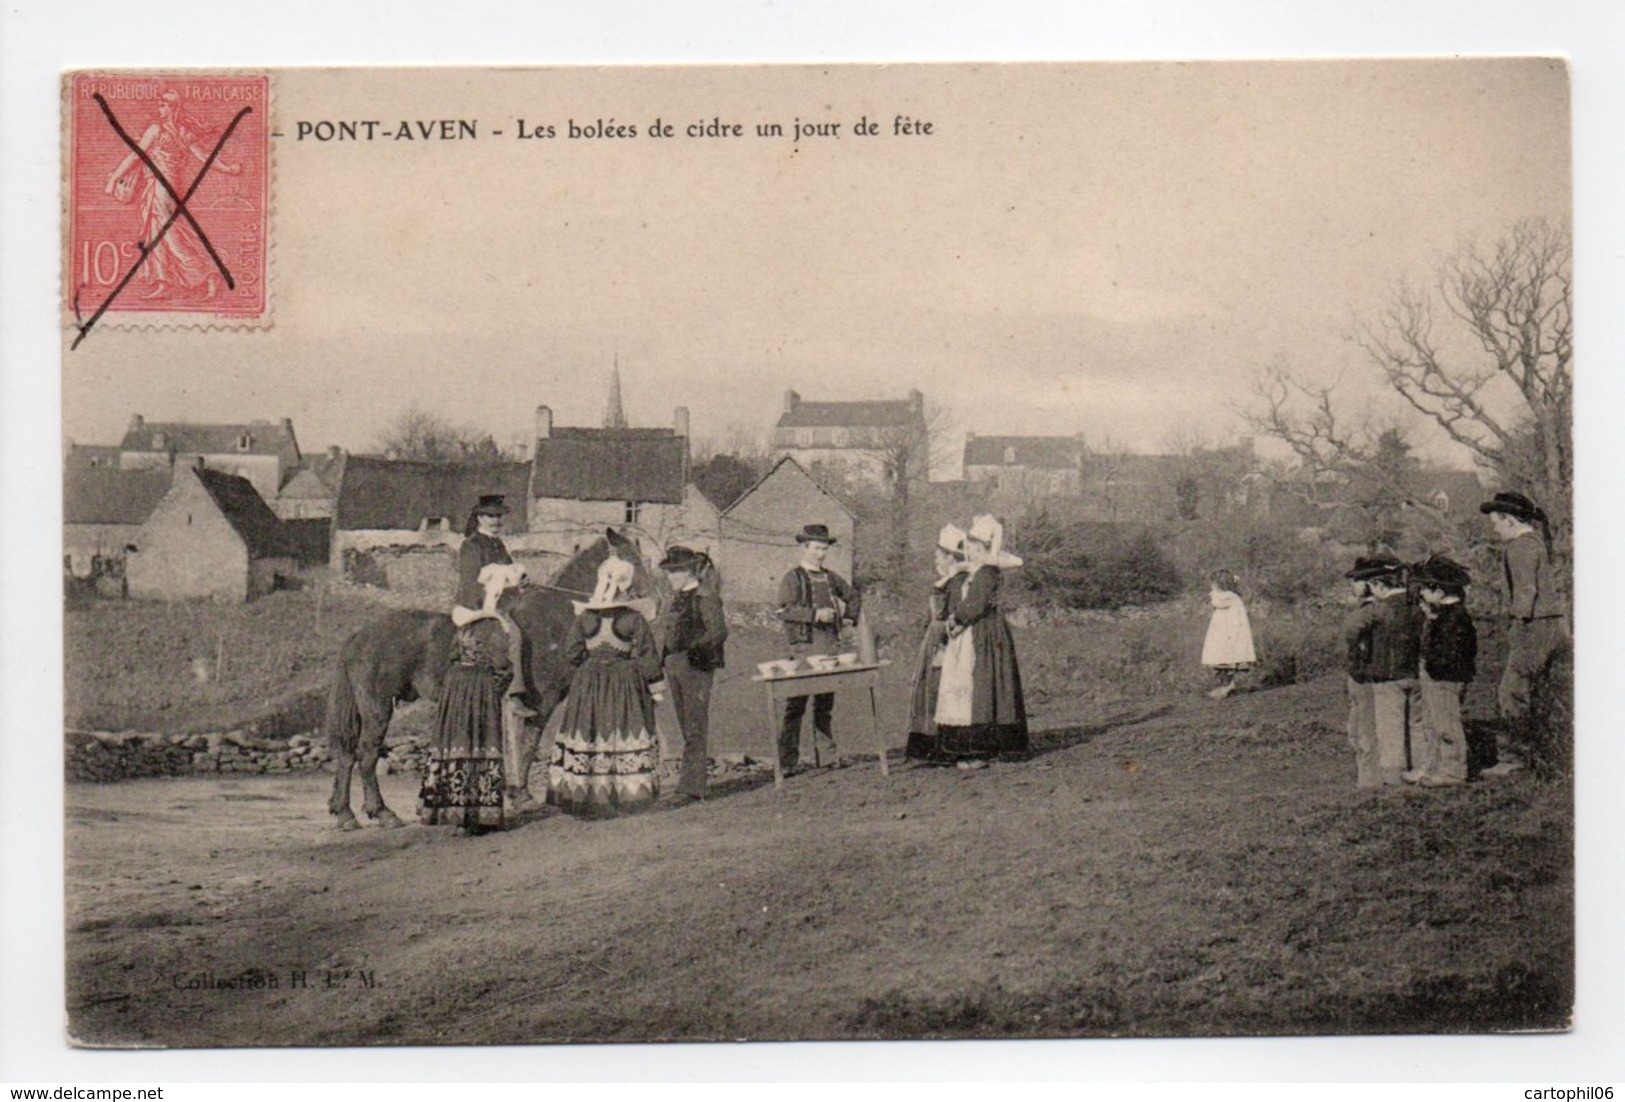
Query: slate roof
point(869, 414)
point(398, 493)
point(107, 495)
point(82, 456)
point(586, 464)
point(180, 437)
point(247, 512)
point(1052, 453)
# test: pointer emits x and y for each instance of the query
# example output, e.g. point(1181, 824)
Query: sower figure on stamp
point(813, 603)
point(482, 546)
point(692, 644)
point(179, 261)
point(1535, 630)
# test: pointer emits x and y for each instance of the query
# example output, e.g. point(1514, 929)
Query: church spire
point(614, 414)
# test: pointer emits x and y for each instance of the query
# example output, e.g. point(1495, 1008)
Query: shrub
point(1084, 564)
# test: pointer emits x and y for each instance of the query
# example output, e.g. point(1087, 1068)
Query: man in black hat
point(813, 603)
point(1535, 630)
point(692, 642)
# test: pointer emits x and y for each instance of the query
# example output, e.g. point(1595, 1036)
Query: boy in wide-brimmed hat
point(1449, 652)
point(1535, 629)
point(692, 638)
point(813, 603)
point(1383, 637)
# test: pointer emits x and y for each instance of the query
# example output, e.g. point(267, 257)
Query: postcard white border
point(40, 39)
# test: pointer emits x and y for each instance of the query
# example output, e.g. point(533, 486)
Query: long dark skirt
point(606, 759)
point(463, 782)
point(922, 724)
point(998, 710)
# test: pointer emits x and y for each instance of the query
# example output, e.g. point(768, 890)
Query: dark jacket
point(796, 604)
point(1384, 640)
point(1450, 644)
point(477, 552)
point(695, 627)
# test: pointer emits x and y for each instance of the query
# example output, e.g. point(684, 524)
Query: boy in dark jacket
point(1384, 643)
point(1357, 637)
point(1449, 654)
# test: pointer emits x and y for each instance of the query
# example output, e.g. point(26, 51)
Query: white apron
point(958, 682)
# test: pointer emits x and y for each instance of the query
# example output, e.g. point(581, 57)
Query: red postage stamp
point(167, 191)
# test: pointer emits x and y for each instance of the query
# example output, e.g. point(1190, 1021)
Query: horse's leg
point(339, 803)
point(374, 725)
point(342, 725)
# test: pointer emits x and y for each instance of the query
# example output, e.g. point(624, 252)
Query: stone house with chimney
point(584, 479)
point(265, 453)
point(211, 535)
point(848, 442)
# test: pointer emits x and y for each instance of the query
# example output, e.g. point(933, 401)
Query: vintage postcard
point(817, 552)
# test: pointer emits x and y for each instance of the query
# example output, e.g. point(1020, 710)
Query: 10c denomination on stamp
point(168, 198)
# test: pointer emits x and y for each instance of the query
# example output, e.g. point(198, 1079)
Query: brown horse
point(403, 656)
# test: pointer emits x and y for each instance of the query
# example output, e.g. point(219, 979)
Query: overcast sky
point(1110, 249)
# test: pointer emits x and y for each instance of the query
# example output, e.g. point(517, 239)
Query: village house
point(103, 509)
point(1026, 465)
point(584, 479)
point(210, 535)
point(852, 442)
point(757, 533)
point(264, 453)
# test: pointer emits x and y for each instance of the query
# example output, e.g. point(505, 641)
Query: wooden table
point(781, 687)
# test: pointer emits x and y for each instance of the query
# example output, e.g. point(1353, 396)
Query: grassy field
point(1163, 866)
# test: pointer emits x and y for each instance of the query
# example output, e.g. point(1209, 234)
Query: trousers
point(691, 696)
point(1394, 705)
point(1363, 733)
point(1439, 742)
point(1531, 647)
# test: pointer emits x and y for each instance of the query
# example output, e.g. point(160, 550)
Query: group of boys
point(1412, 649)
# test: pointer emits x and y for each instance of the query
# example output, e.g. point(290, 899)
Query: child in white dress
point(1228, 648)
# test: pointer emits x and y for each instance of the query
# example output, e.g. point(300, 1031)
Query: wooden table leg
point(773, 733)
point(874, 726)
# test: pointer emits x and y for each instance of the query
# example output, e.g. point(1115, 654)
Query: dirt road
point(1181, 866)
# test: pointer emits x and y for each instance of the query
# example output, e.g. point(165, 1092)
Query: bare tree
point(1357, 471)
point(417, 433)
point(1503, 389)
point(1104, 463)
point(904, 453)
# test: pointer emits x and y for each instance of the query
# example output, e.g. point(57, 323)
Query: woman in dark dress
point(463, 783)
point(980, 711)
point(606, 759)
point(922, 725)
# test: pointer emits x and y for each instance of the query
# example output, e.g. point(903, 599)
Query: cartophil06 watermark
point(1570, 1094)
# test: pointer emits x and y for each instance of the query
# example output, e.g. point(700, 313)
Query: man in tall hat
point(814, 602)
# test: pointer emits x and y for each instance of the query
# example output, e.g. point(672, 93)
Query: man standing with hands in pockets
point(813, 603)
point(692, 643)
